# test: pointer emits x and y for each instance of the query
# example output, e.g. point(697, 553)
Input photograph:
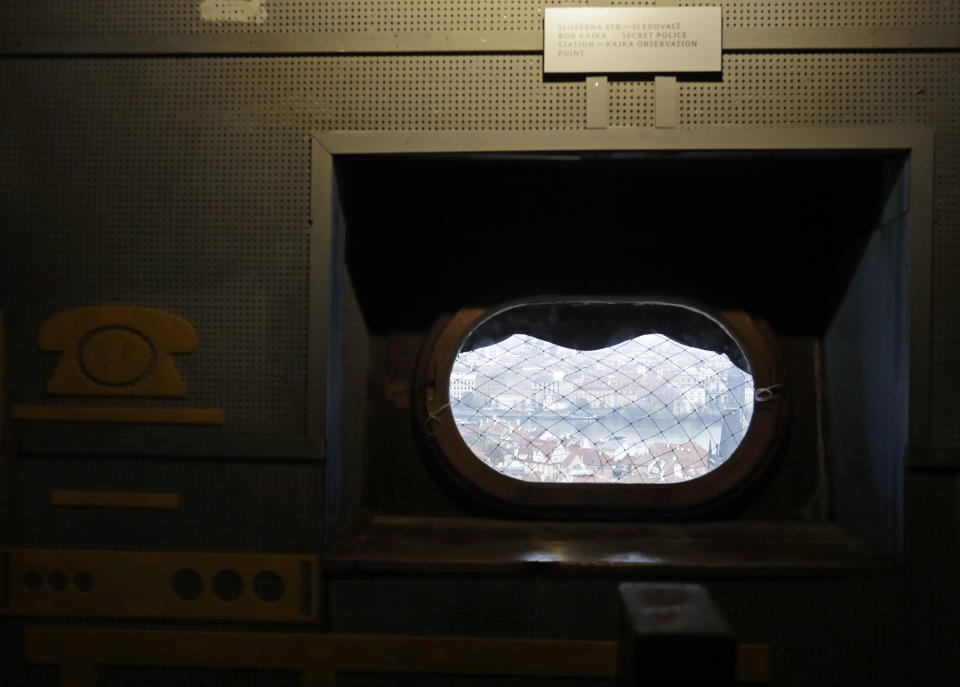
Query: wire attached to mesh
point(765, 394)
point(433, 415)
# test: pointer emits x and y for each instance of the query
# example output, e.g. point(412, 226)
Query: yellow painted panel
point(753, 663)
point(323, 655)
point(116, 351)
point(136, 584)
point(114, 499)
point(179, 416)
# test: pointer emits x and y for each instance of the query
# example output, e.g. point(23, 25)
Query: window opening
point(601, 405)
point(647, 409)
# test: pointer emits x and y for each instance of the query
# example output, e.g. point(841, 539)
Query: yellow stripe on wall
point(186, 416)
point(114, 499)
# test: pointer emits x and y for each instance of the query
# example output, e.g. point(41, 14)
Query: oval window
point(604, 403)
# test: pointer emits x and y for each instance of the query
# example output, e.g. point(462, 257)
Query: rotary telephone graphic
point(116, 351)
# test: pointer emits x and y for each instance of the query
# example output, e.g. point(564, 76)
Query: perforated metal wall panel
point(825, 632)
point(222, 141)
point(851, 90)
point(853, 627)
point(123, 154)
point(12, 666)
point(92, 16)
point(224, 506)
point(834, 13)
point(282, 16)
point(556, 609)
point(933, 528)
point(183, 183)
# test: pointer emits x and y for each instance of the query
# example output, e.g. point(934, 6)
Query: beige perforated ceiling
point(185, 16)
point(825, 89)
point(835, 13)
point(281, 15)
point(431, 92)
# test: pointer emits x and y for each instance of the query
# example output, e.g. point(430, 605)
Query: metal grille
point(646, 410)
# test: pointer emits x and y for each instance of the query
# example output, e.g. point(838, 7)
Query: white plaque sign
point(600, 40)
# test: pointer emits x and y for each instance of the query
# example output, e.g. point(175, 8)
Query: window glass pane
point(645, 409)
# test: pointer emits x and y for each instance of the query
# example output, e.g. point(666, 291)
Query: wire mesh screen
point(647, 409)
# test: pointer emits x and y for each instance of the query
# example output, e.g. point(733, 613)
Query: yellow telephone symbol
point(116, 351)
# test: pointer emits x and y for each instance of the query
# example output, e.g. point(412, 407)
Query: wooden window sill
point(387, 544)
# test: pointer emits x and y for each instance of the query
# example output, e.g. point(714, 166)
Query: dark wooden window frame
point(756, 452)
point(356, 539)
